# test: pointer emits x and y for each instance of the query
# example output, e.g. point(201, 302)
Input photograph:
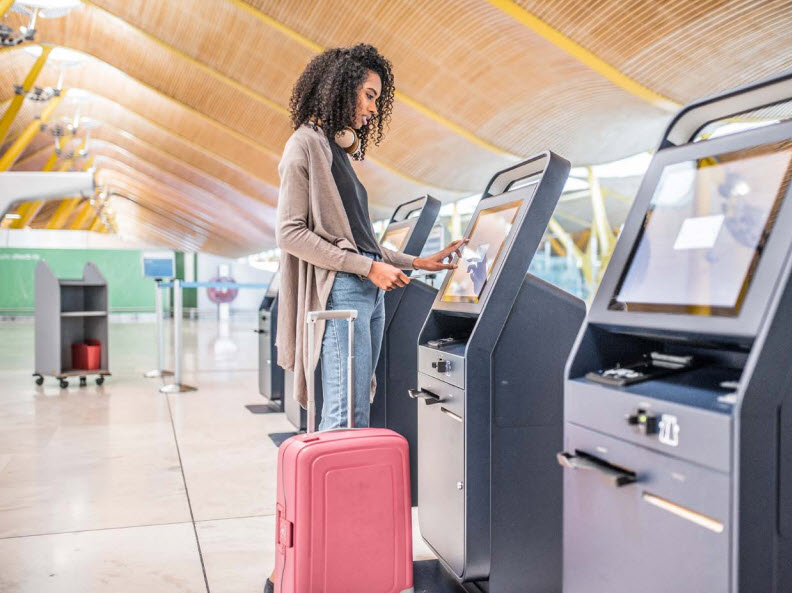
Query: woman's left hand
point(436, 261)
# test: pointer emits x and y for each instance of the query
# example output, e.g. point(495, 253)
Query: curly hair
point(328, 87)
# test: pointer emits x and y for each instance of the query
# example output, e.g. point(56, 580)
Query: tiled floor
point(120, 488)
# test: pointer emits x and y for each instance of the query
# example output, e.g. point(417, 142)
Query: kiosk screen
point(489, 232)
point(703, 234)
point(394, 238)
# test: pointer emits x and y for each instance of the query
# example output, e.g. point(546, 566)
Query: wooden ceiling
point(192, 95)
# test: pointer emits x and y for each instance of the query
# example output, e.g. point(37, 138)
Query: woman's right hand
point(387, 277)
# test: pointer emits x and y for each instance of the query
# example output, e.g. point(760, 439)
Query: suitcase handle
point(311, 318)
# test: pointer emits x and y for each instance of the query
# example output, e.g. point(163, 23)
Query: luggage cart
point(69, 311)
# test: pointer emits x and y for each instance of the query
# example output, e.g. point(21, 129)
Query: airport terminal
point(400, 296)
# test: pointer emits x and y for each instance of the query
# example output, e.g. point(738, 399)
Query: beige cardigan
point(316, 241)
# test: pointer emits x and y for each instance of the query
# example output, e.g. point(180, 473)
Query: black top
point(355, 200)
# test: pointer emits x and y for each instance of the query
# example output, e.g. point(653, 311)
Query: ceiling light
point(12, 216)
point(34, 9)
point(63, 56)
point(46, 8)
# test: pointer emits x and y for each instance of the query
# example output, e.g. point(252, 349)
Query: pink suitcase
point(343, 515)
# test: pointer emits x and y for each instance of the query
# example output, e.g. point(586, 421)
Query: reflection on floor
point(120, 488)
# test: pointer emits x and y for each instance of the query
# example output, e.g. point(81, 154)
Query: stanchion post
point(177, 386)
point(160, 313)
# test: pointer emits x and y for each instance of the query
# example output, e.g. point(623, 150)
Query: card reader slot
point(428, 397)
point(613, 474)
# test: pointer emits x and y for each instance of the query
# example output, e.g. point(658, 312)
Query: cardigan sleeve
point(292, 232)
point(397, 258)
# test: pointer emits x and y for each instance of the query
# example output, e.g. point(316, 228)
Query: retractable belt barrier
point(178, 312)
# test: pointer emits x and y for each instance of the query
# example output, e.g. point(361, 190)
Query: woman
point(330, 256)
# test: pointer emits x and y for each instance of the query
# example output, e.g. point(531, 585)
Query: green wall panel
point(128, 290)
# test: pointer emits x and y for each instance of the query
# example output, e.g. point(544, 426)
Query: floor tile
point(238, 553)
point(94, 477)
point(161, 559)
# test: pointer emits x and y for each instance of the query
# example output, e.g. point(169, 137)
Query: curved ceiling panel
point(485, 71)
point(193, 95)
point(162, 198)
point(247, 114)
point(107, 135)
point(102, 79)
point(230, 209)
point(679, 48)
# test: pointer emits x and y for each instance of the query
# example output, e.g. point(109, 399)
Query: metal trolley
point(69, 311)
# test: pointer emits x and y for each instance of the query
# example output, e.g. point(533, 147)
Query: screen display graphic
point(704, 232)
point(489, 232)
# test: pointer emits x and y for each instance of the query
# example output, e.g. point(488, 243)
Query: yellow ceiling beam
point(62, 213)
point(605, 234)
point(67, 206)
point(210, 120)
point(224, 128)
point(584, 56)
point(27, 135)
point(315, 47)
point(27, 212)
point(566, 240)
point(50, 164)
point(168, 131)
point(5, 5)
point(16, 103)
point(67, 164)
point(96, 223)
point(83, 215)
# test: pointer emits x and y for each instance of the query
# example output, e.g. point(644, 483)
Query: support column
point(27, 135)
point(30, 80)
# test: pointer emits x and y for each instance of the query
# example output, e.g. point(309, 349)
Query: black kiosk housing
point(490, 361)
point(678, 395)
point(270, 374)
point(406, 309)
point(408, 230)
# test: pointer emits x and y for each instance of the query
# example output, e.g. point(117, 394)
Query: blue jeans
point(351, 292)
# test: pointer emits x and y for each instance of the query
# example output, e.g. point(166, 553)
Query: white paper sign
point(700, 232)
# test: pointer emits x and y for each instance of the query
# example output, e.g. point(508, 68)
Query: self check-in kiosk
point(407, 231)
point(406, 309)
point(490, 381)
point(678, 394)
point(270, 374)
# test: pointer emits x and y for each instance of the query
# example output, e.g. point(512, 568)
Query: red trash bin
point(87, 356)
point(93, 355)
point(79, 356)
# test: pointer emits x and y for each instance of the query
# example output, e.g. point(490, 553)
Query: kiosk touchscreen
point(407, 231)
point(678, 408)
point(486, 239)
point(394, 238)
point(270, 374)
point(490, 380)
